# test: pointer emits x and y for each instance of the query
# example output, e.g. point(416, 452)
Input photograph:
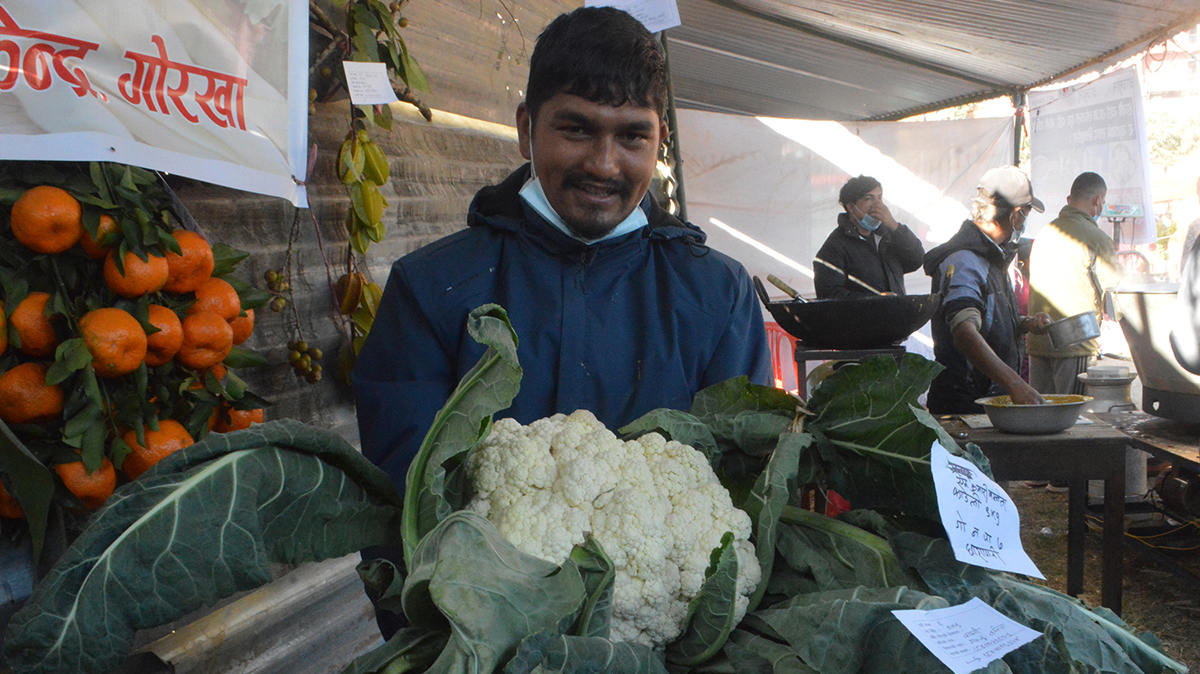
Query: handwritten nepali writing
point(42, 59)
point(966, 637)
point(221, 101)
point(980, 519)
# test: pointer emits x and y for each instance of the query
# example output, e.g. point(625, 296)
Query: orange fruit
point(170, 437)
point(207, 339)
point(140, 277)
point(236, 420)
point(105, 239)
point(216, 373)
point(162, 346)
point(3, 330)
point(193, 267)
point(217, 296)
point(33, 328)
point(242, 327)
point(92, 489)
point(9, 506)
point(115, 339)
point(25, 398)
point(47, 219)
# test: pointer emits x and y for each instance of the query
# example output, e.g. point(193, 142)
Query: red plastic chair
point(783, 350)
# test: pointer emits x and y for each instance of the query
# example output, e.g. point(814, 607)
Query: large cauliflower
point(654, 505)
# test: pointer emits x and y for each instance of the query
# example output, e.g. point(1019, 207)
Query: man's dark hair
point(600, 54)
point(1087, 185)
point(856, 188)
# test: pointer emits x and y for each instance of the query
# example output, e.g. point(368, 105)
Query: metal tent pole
point(673, 136)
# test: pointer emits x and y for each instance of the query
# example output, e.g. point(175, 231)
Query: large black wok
point(870, 322)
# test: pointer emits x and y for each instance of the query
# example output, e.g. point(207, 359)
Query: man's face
point(868, 200)
point(1098, 204)
point(1017, 222)
point(594, 160)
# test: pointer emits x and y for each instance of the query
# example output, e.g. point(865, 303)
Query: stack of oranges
point(127, 336)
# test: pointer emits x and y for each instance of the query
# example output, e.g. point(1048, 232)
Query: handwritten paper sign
point(655, 15)
point(368, 83)
point(981, 521)
point(966, 637)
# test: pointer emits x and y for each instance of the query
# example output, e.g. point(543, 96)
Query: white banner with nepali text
point(215, 90)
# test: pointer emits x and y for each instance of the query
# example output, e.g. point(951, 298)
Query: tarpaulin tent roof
point(853, 60)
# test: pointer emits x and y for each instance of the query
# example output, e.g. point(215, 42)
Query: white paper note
point(655, 15)
point(966, 637)
point(980, 519)
point(368, 83)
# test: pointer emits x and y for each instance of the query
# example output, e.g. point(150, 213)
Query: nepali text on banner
point(214, 90)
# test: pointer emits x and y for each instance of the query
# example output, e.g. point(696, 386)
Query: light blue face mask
point(870, 222)
point(533, 194)
point(867, 221)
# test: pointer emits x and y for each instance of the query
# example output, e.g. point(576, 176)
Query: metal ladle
point(850, 277)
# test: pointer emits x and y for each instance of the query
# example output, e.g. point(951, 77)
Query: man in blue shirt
point(619, 306)
point(977, 330)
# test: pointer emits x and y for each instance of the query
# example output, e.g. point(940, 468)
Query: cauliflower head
point(655, 506)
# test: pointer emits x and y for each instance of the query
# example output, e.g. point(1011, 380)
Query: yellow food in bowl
point(1050, 398)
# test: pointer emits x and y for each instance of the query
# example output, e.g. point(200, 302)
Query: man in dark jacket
point(619, 307)
point(977, 330)
point(868, 248)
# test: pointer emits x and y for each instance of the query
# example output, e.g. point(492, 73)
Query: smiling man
point(619, 306)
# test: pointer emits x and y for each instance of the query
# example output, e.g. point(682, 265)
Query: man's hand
point(975, 348)
point(880, 210)
point(1024, 394)
point(1036, 323)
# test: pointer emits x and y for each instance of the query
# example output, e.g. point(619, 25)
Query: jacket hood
point(969, 237)
point(501, 207)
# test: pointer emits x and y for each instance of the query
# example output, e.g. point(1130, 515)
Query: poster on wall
point(1096, 126)
point(655, 15)
point(215, 90)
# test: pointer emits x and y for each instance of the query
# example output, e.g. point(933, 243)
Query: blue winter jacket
point(980, 281)
point(619, 327)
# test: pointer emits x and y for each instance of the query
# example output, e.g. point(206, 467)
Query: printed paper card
point(966, 637)
point(981, 521)
point(655, 15)
point(368, 83)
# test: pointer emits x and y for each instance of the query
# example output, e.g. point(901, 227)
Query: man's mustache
point(580, 180)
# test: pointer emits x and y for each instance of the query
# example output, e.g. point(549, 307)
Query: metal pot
point(1073, 330)
point(869, 322)
point(1060, 412)
point(1147, 312)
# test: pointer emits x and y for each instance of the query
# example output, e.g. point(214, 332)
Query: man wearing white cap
point(977, 332)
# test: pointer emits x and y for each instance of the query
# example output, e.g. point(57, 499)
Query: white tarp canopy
point(765, 190)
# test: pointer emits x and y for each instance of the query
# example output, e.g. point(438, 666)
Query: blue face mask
point(533, 194)
point(870, 222)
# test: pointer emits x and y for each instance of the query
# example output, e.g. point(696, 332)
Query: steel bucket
point(1073, 330)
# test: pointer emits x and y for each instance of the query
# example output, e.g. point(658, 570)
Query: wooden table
point(1094, 451)
point(1174, 441)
